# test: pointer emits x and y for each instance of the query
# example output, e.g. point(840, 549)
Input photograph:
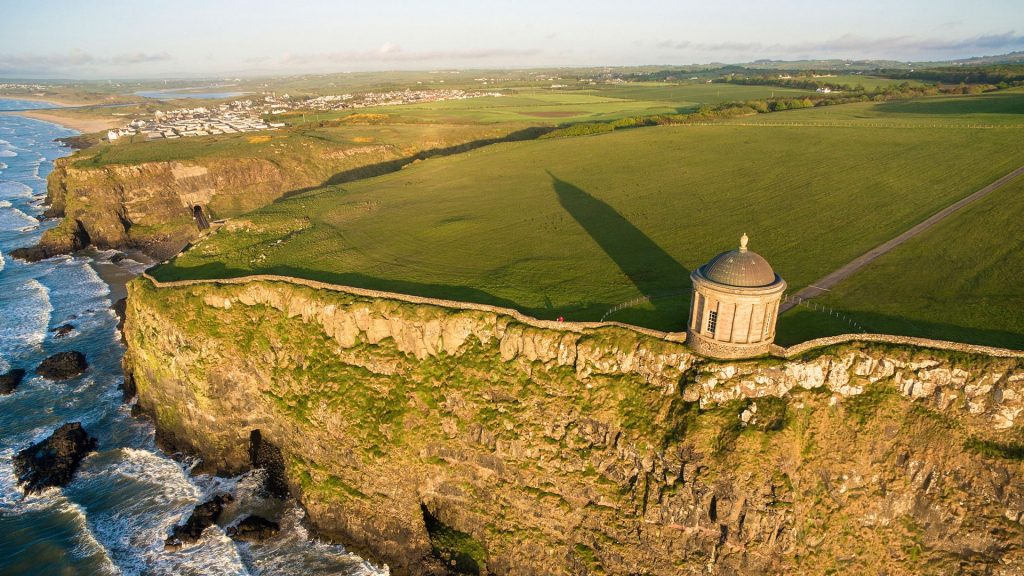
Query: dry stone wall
point(584, 448)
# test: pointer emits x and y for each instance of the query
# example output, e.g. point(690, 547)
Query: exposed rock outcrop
point(203, 516)
point(53, 461)
point(419, 433)
point(10, 380)
point(254, 529)
point(63, 365)
point(263, 454)
point(63, 330)
point(66, 238)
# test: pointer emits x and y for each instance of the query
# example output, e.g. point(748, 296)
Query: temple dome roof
point(740, 268)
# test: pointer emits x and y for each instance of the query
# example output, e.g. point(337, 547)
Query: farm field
point(1003, 109)
point(962, 280)
point(869, 82)
point(554, 107)
point(571, 227)
point(691, 94)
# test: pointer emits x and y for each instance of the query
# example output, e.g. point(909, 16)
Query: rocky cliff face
point(149, 205)
point(435, 439)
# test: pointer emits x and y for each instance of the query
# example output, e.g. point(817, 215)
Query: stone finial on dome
point(743, 242)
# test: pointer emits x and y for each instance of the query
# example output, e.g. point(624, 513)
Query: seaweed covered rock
point(53, 461)
point(63, 365)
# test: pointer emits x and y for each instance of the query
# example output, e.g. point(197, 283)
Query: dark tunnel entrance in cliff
point(201, 222)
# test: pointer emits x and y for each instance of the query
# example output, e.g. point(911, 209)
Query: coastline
point(83, 125)
point(115, 275)
point(55, 100)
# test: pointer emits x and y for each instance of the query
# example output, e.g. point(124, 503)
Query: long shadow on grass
point(646, 264)
point(217, 270)
point(389, 166)
point(588, 311)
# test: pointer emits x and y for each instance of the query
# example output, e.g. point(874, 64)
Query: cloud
point(20, 61)
point(859, 46)
point(74, 61)
point(391, 52)
point(140, 58)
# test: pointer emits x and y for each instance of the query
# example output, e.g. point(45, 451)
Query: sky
point(102, 39)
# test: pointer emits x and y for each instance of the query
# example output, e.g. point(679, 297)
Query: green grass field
point(551, 107)
point(693, 94)
point(574, 226)
point(962, 280)
point(868, 82)
point(1003, 109)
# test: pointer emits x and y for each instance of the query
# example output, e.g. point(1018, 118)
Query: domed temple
point(735, 305)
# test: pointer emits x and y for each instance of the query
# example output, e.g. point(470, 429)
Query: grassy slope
point(571, 227)
point(963, 280)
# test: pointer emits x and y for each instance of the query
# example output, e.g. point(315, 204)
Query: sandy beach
point(84, 125)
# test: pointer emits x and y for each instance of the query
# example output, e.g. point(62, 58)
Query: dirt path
point(823, 285)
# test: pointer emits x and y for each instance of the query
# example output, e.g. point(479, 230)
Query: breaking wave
point(13, 219)
point(26, 317)
point(12, 189)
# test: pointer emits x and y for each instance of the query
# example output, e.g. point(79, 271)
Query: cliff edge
point(438, 438)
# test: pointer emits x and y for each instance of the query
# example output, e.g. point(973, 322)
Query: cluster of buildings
point(23, 87)
point(238, 116)
point(247, 115)
point(280, 104)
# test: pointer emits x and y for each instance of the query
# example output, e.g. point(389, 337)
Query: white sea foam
point(293, 552)
point(53, 500)
point(13, 219)
point(26, 317)
point(152, 494)
point(12, 189)
point(3, 263)
point(8, 153)
point(76, 290)
point(88, 545)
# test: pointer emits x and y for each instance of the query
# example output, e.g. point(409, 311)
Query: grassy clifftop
point(572, 227)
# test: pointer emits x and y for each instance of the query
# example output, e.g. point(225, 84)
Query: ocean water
point(114, 515)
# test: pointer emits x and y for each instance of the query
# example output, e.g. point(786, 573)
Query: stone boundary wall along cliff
point(425, 432)
point(775, 349)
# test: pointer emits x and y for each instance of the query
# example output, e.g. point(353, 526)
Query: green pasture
point(549, 108)
point(868, 82)
point(571, 227)
point(561, 106)
point(962, 280)
point(1004, 108)
point(692, 95)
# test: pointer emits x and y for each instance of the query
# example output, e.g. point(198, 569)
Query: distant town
point(4, 87)
point(248, 115)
